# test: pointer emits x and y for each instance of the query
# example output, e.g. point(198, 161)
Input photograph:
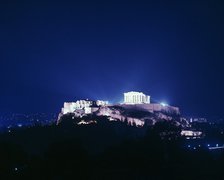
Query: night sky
point(53, 52)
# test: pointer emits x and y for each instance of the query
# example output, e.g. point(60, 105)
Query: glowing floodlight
point(164, 104)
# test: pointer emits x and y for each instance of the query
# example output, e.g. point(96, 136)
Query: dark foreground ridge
point(105, 150)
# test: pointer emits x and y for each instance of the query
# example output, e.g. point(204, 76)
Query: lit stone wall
point(70, 107)
point(136, 98)
point(153, 108)
point(86, 105)
point(101, 103)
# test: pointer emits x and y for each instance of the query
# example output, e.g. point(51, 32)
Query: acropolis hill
point(135, 110)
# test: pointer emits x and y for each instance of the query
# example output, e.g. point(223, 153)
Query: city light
point(216, 147)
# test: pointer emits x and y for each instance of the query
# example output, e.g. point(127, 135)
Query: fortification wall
point(152, 107)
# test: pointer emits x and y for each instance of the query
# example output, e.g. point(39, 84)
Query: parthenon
point(136, 98)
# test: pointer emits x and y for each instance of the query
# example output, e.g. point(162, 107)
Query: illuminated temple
point(136, 98)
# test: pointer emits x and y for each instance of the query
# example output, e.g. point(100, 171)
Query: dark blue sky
point(53, 52)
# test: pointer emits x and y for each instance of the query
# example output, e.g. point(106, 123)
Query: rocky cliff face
point(134, 115)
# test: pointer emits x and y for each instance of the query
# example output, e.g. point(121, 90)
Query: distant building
point(190, 134)
point(136, 98)
point(200, 120)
